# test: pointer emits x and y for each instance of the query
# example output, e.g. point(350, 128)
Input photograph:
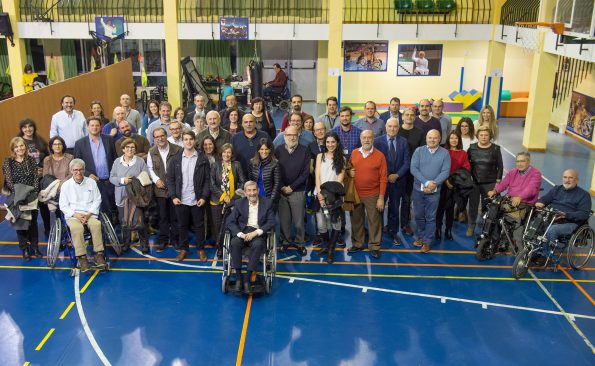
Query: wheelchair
point(500, 220)
point(278, 100)
point(578, 245)
point(60, 240)
point(268, 260)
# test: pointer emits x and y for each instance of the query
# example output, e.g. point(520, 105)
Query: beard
point(567, 186)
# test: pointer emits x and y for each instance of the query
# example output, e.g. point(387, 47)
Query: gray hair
point(76, 162)
point(250, 183)
point(525, 154)
point(393, 119)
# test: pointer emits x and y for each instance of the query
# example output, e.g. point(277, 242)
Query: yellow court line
point(26, 363)
point(47, 336)
point(244, 330)
point(66, 311)
point(89, 281)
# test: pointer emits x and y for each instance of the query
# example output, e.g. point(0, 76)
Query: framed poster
point(365, 55)
point(581, 116)
point(419, 60)
point(234, 28)
point(108, 28)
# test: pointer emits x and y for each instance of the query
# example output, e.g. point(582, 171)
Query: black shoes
point(161, 247)
point(448, 234)
point(301, 251)
point(396, 240)
point(438, 234)
point(26, 254)
point(375, 253)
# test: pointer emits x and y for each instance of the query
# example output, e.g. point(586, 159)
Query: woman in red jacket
point(458, 160)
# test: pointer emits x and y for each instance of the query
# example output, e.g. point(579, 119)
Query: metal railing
point(417, 11)
point(133, 11)
point(259, 11)
point(519, 11)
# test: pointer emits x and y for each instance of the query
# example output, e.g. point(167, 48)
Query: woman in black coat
point(227, 178)
point(266, 172)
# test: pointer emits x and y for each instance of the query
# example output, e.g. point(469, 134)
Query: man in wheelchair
point(571, 199)
point(79, 202)
point(251, 219)
point(275, 86)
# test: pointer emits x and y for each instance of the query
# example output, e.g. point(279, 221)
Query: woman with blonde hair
point(487, 117)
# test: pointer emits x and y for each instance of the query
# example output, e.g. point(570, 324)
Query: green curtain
point(213, 58)
point(28, 54)
point(68, 58)
point(4, 62)
point(247, 51)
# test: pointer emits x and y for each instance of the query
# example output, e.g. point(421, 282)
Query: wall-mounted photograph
point(108, 28)
point(234, 28)
point(365, 55)
point(581, 116)
point(419, 60)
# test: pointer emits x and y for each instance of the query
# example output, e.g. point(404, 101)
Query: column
point(335, 52)
point(172, 53)
point(492, 85)
point(17, 57)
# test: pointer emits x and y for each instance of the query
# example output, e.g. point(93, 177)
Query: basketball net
point(532, 34)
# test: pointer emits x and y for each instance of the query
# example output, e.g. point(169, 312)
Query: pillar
point(17, 57)
point(592, 190)
point(492, 85)
point(335, 41)
point(172, 53)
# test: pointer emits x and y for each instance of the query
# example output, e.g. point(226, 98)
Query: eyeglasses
point(159, 137)
point(130, 147)
point(77, 170)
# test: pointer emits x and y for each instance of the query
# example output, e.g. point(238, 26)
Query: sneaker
point(133, 236)
point(301, 251)
point(100, 260)
point(340, 242)
point(407, 230)
point(418, 243)
point(84, 264)
point(425, 248)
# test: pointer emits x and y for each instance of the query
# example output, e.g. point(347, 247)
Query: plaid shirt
point(350, 140)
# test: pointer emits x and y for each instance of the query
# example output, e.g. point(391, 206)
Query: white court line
point(81, 312)
point(569, 317)
point(514, 156)
point(442, 299)
point(173, 263)
point(286, 258)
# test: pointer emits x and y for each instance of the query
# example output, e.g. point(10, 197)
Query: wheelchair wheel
point(484, 250)
point(225, 259)
point(224, 284)
point(521, 263)
point(54, 241)
point(580, 247)
point(109, 234)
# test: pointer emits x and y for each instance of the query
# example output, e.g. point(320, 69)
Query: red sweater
point(370, 173)
point(458, 160)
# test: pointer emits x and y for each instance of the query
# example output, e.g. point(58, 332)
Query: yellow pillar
point(17, 57)
point(172, 53)
point(543, 71)
point(592, 190)
point(335, 52)
point(495, 62)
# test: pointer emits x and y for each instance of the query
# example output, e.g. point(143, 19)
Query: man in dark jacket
point(396, 153)
point(157, 160)
point(294, 161)
point(99, 152)
point(188, 176)
point(249, 222)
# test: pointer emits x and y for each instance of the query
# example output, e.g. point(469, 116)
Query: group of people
point(196, 163)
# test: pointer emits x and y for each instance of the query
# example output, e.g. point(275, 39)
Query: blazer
point(386, 115)
point(401, 165)
point(217, 171)
point(238, 219)
point(82, 150)
point(201, 178)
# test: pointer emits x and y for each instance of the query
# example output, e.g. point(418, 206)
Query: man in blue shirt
point(393, 111)
point(370, 122)
point(305, 138)
point(348, 134)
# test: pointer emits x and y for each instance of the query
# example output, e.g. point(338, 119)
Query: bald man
point(112, 129)
point(430, 165)
point(569, 198)
point(214, 130)
point(132, 115)
point(370, 179)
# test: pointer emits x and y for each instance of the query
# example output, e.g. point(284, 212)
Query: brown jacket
point(159, 166)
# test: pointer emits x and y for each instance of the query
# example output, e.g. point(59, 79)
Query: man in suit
point(188, 175)
point(99, 152)
point(396, 152)
point(198, 109)
point(249, 223)
point(393, 111)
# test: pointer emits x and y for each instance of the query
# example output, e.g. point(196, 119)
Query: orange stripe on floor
point(580, 288)
point(244, 330)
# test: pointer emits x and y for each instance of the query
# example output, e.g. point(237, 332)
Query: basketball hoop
point(528, 33)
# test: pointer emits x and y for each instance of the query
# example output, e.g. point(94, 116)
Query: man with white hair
point(79, 202)
point(214, 130)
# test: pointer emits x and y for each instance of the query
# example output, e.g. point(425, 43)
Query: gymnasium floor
point(441, 308)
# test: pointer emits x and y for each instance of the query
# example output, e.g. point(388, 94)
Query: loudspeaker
point(5, 27)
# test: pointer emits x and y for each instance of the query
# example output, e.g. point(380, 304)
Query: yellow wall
point(358, 87)
point(517, 66)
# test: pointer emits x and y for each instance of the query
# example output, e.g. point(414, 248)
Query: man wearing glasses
point(175, 129)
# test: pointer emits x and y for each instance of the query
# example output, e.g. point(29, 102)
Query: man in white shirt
point(249, 223)
point(69, 123)
point(79, 202)
point(132, 114)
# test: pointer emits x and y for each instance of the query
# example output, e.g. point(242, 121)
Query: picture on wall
point(419, 60)
point(108, 28)
point(581, 116)
point(234, 28)
point(365, 55)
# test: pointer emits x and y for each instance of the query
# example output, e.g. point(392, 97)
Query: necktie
point(392, 150)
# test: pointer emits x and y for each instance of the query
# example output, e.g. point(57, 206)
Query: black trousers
point(406, 201)
point(31, 235)
point(44, 211)
point(168, 223)
point(256, 245)
point(108, 199)
point(216, 221)
point(191, 218)
point(446, 206)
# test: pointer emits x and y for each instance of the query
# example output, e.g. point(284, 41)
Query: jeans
point(556, 231)
point(424, 209)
